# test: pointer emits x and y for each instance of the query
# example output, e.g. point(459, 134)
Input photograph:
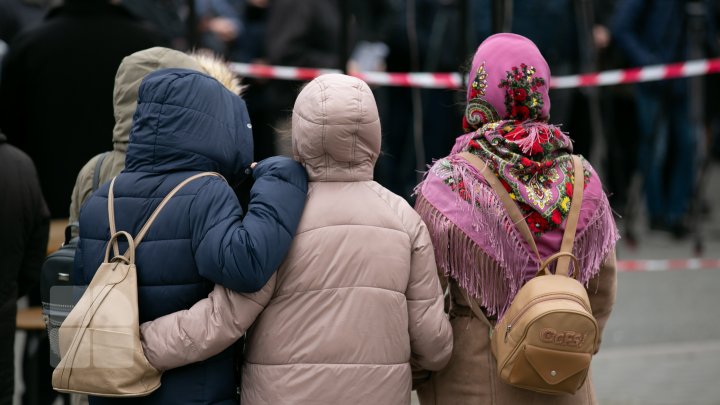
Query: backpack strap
point(565, 254)
point(96, 173)
point(479, 314)
point(512, 209)
point(139, 237)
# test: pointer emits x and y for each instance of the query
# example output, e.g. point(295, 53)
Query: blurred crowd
point(655, 137)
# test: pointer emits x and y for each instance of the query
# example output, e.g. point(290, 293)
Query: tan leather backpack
point(100, 347)
point(545, 340)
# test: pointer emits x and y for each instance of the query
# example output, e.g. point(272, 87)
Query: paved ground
point(662, 344)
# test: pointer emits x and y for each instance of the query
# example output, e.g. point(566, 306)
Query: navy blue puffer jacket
point(185, 123)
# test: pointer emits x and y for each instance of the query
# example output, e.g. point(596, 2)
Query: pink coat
point(356, 301)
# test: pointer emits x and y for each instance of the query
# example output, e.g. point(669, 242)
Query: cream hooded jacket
point(356, 301)
point(131, 71)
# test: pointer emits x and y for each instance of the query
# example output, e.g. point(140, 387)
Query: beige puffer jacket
point(131, 71)
point(357, 299)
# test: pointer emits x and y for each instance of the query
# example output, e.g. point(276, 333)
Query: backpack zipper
point(542, 299)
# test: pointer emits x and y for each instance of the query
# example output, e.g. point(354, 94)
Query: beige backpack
point(545, 340)
point(100, 347)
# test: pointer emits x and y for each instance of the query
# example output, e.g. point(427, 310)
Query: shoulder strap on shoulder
point(563, 261)
point(139, 237)
point(510, 206)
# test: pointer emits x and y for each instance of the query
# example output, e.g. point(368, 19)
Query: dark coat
point(18, 15)
point(651, 32)
point(656, 32)
point(185, 123)
point(56, 89)
point(300, 33)
point(24, 225)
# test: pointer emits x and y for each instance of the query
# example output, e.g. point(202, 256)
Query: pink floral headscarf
point(510, 80)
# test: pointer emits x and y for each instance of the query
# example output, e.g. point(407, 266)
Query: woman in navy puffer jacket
point(186, 123)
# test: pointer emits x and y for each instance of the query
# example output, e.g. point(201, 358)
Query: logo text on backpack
point(564, 338)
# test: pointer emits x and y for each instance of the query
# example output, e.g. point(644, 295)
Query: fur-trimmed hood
point(136, 66)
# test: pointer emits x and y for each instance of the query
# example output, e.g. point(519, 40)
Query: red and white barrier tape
point(636, 75)
point(455, 80)
point(666, 265)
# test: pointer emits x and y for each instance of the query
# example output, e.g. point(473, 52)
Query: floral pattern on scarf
point(478, 110)
point(523, 101)
point(532, 161)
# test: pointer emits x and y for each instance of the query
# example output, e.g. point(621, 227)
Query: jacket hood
point(188, 121)
point(336, 129)
point(136, 66)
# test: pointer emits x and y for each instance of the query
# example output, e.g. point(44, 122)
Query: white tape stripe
point(426, 80)
point(241, 69)
point(284, 72)
point(565, 82)
point(377, 78)
point(696, 68)
point(609, 77)
point(657, 265)
point(650, 73)
point(326, 71)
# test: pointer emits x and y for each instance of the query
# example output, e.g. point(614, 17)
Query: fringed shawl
point(479, 246)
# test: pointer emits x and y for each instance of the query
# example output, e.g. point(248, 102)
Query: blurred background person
point(170, 18)
point(18, 15)
point(304, 34)
point(56, 89)
point(418, 35)
point(620, 128)
point(555, 28)
point(251, 49)
point(248, 46)
point(23, 244)
point(56, 98)
point(650, 33)
point(221, 24)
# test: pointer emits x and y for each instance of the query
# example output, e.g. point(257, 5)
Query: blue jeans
point(664, 124)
